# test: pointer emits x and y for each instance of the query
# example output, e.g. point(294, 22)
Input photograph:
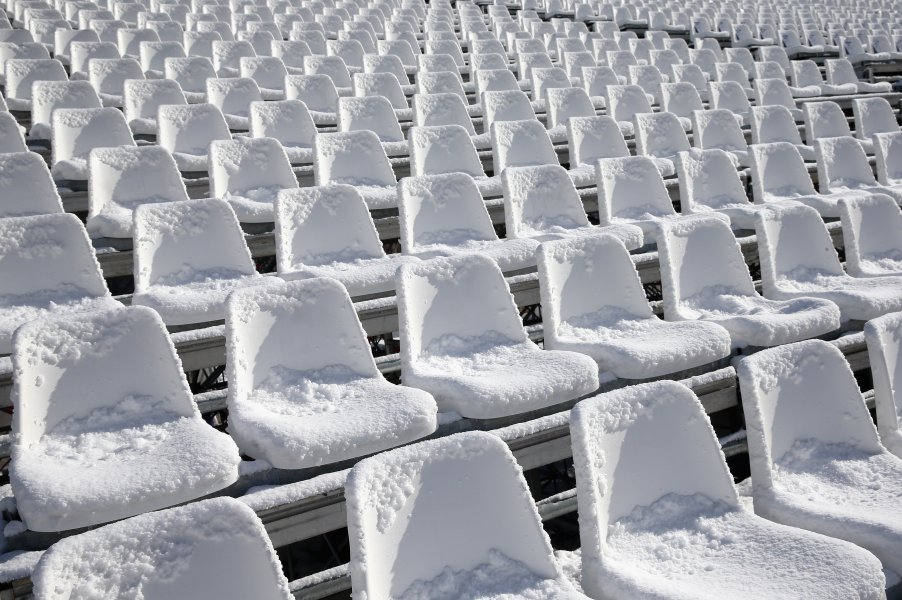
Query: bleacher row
point(437, 115)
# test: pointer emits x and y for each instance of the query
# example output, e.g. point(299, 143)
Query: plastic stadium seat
point(227, 56)
point(26, 187)
point(840, 71)
point(318, 93)
point(447, 109)
point(189, 256)
point(718, 128)
point(20, 73)
point(108, 76)
point(129, 40)
point(496, 545)
point(327, 231)
point(507, 105)
point(595, 81)
point(388, 64)
point(269, 74)
point(543, 80)
point(649, 78)
point(661, 137)
point(77, 131)
point(872, 116)
point(882, 335)
point(837, 454)
point(120, 179)
point(260, 41)
point(520, 144)
point(238, 559)
point(541, 202)
point(443, 149)
point(807, 74)
point(872, 236)
point(565, 103)
point(350, 51)
point(153, 56)
point(888, 151)
point(200, 43)
point(852, 49)
point(249, 173)
point(798, 260)
point(292, 54)
point(356, 158)
point(495, 80)
point(730, 71)
point(729, 95)
point(614, 324)
point(638, 533)
point(589, 139)
point(373, 113)
point(12, 139)
point(689, 73)
point(191, 74)
point(681, 99)
point(332, 66)
point(186, 132)
point(233, 96)
point(27, 50)
point(632, 191)
point(704, 276)
point(142, 100)
point(624, 102)
point(444, 215)
point(168, 31)
point(289, 122)
point(441, 82)
point(826, 120)
point(102, 448)
point(710, 182)
point(775, 92)
point(771, 124)
point(843, 169)
point(63, 39)
point(322, 404)
point(774, 54)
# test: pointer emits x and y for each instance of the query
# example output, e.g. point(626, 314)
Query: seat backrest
point(771, 91)
point(386, 63)
point(200, 43)
point(575, 62)
point(440, 82)
point(267, 71)
point(626, 101)
point(565, 103)
point(593, 138)
point(793, 242)
point(773, 123)
point(883, 336)
point(351, 157)
point(782, 387)
point(527, 61)
point(547, 79)
point(730, 71)
point(872, 230)
point(190, 73)
point(729, 95)
point(48, 96)
point(233, 95)
point(689, 73)
point(777, 169)
point(840, 70)
point(888, 152)
point(227, 56)
point(842, 163)
point(108, 75)
point(191, 128)
point(665, 61)
point(441, 109)
point(659, 134)
point(583, 280)
point(769, 69)
point(743, 56)
point(708, 180)
point(873, 115)
point(680, 99)
point(333, 66)
point(442, 149)
point(610, 433)
point(805, 73)
point(442, 208)
point(775, 54)
point(631, 187)
point(540, 198)
point(154, 54)
point(381, 84)
point(372, 113)
point(77, 131)
point(495, 80)
point(824, 120)
point(20, 73)
point(717, 128)
point(26, 187)
point(391, 517)
point(318, 92)
point(129, 40)
point(597, 79)
point(522, 143)
point(287, 121)
point(121, 178)
point(178, 242)
point(291, 52)
point(69, 354)
point(244, 164)
point(436, 63)
point(143, 98)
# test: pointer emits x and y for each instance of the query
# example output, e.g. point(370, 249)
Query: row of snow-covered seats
point(825, 524)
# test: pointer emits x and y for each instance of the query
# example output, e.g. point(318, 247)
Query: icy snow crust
point(680, 532)
point(324, 404)
point(89, 450)
point(401, 501)
point(211, 549)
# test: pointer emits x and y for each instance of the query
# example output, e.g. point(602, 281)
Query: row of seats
point(811, 504)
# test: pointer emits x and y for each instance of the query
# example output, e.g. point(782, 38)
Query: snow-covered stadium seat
point(77, 131)
point(223, 541)
point(356, 158)
point(840, 71)
point(373, 113)
point(590, 139)
point(233, 96)
point(108, 76)
point(227, 56)
point(807, 75)
point(189, 256)
point(96, 448)
point(324, 403)
point(445, 215)
point(248, 173)
point(289, 122)
point(187, 131)
point(466, 345)
point(142, 100)
point(775, 92)
point(467, 490)
point(593, 303)
point(20, 73)
point(770, 124)
point(120, 179)
point(624, 102)
point(154, 54)
point(448, 149)
point(268, 72)
point(856, 480)
point(718, 129)
point(826, 120)
point(872, 235)
point(888, 154)
point(632, 191)
point(681, 531)
point(26, 187)
point(660, 136)
point(48, 268)
point(318, 92)
point(798, 261)
point(843, 169)
point(883, 335)
point(327, 231)
point(48, 96)
point(704, 276)
point(191, 74)
point(12, 139)
point(873, 116)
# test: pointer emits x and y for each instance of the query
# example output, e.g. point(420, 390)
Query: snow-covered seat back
point(386, 85)
point(177, 240)
point(443, 149)
point(26, 187)
point(842, 165)
point(565, 103)
point(540, 198)
point(708, 181)
point(441, 109)
point(351, 157)
point(318, 92)
point(778, 171)
point(794, 239)
point(888, 152)
point(824, 120)
point(392, 517)
point(287, 121)
point(773, 123)
point(872, 235)
point(872, 116)
point(773, 92)
point(77, 131)
point(592, 138)
point(244, 164)
point(717, 128)
point(222, 539)
point(510, 105)
point(11, 137)
point(659, 134)
point(48, 96)
point(188, 130)
point(191, 74)
point(782, 387)
point(20, 73)
point(883, 336)
point(631, 187)
point(143, 98)
point(521, 144)
point(680, 99)
point(369, 113)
